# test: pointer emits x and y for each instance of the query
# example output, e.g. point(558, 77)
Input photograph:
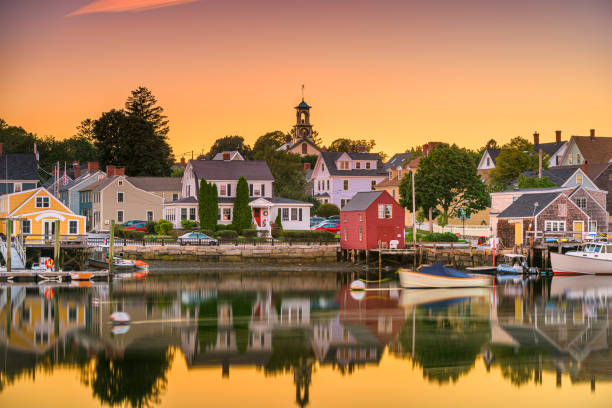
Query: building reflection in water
point(521, 327)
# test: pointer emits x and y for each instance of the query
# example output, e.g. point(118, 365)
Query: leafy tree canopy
point(446, 179)
point(141, 103)
point(130, 141)
point(515, 158)
point(534, 182)
point(327, 210)
point(229, 143)
point(288, 172)
point(273, 140)
point(348, 145)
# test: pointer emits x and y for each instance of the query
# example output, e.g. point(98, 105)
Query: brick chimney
point(592, 134)
point(536, 139)
point(92, 167)
point(183, 164)
point(112, 170)
point(306, 166)
point(76, 167)
point(585, 167)
point(558, 136)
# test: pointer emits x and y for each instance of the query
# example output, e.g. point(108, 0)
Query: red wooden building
point(370, 217)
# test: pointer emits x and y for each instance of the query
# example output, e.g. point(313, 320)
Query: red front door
point(257, 216)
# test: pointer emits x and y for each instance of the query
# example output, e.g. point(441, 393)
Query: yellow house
point(36, 211)
point(392, 184)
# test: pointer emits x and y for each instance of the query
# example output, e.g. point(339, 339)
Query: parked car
point(329, 225)
point(316, 221)
point(137, 226)
point(334, 218)
point(132, 222)
point(196, 238)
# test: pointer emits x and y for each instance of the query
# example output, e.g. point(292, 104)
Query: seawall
point(230, 253)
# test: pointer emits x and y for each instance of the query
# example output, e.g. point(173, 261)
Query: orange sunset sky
point(401, 72)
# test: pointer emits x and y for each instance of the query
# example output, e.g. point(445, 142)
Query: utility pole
point(540, 163)
point(110, 249)
point(414, 211)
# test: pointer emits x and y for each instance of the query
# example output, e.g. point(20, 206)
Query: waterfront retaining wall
point(229, 253)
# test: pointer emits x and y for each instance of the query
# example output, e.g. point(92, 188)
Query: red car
point(329, 225)
point(139, 226)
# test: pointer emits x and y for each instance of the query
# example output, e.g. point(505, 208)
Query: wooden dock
point(49, 275)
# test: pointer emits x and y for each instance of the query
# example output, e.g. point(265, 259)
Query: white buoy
point(120, 318)
point(358, 285)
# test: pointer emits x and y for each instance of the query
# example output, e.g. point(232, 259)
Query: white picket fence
point(471, 231)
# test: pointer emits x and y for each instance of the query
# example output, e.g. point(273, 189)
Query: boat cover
point(438, 269)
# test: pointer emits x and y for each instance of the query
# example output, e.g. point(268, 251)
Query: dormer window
point(42, 202)
point(357, 165)
point(488, 162)
point(390, 175)
point(344, 165)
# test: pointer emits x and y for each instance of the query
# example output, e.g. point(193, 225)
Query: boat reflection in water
point(517, 331)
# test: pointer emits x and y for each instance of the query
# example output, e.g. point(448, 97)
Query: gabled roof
point(596, 150)
point(298, 141)
point(212, 170)
point(524, 206)
point(230, 200)
point(97, 186)
point(51, 181)
point(232, 153)
point(394, 182)
point(329, 158)
point(558, 175)
point(361, 201)
point(398, 160)
point(156, 183)
point(18, 166)
point(493, 153)
point(549, 148)
point(80, 179)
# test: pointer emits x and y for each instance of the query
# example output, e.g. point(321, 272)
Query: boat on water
point(81, 276)
point(515, 264)
point(120, 318)
point(440, 276)
point(594, 258)
point(101, 261)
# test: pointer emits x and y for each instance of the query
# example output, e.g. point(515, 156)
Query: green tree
point(447, 179)
point(515, 158)
point(242, 212)
point(278, 221)
point(347, 145)
point(142, 104)
point(130, 141)
point(208, 205)
point(178, 172)
point(288, 172)
point(229, 143)
point(327, 210)
point(273, 139)
point(534, 182)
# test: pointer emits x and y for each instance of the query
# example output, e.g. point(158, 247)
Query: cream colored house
point(122, 198)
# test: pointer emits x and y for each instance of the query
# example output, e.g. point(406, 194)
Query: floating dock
point(50, 275)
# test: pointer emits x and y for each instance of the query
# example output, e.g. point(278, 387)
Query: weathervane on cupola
point(303, 128)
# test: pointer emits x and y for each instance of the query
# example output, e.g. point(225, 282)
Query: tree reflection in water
point(447, 340)
point(137, 379)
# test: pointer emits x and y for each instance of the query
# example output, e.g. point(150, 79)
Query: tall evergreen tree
point(242, 211)
point(144, 105)
point(203, 195)
point(213, 208)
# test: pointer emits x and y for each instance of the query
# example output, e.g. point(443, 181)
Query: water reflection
point(523, 328)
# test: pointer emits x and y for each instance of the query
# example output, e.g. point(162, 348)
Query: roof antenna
point(302, 92)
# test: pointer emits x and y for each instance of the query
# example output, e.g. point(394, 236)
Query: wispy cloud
point(119, 6)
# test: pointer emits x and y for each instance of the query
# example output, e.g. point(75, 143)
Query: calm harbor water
point(303, 339)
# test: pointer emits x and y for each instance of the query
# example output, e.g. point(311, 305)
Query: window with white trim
point(73, 227)
point(368, 165)
point(373, 184)
point(357, 165)
point(345, 184)
point(554, 226)
point(581, 202)
point(175, 196)
point(300, 214)
point(343, 202)
point(361, 233)
point(192, 213)
point(285, 214)
point(42, 202)
point(120, 216)
point(222, 190)
point(385, 211)
point(149, 215)
point(328, 184)
point(120, 196)
point(227, 214)
point(592, 226)
point(183, 213)
point(26, 227)
point(345, 235)
point(294, 214)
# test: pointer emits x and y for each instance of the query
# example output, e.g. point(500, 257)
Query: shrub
point(228, 235)
point(440, 237)
point(307, 235)
point(327, 210)
point(208, 232)
point(188, 224)
point(278, 221)
point(123, 233)
point(150, 226)
point(162, 227)
point(249, 233)
point(275, 230)
point(221, 227)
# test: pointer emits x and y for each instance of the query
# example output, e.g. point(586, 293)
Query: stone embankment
point(231, 253)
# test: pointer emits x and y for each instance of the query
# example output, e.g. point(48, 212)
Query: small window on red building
point(360, 233)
